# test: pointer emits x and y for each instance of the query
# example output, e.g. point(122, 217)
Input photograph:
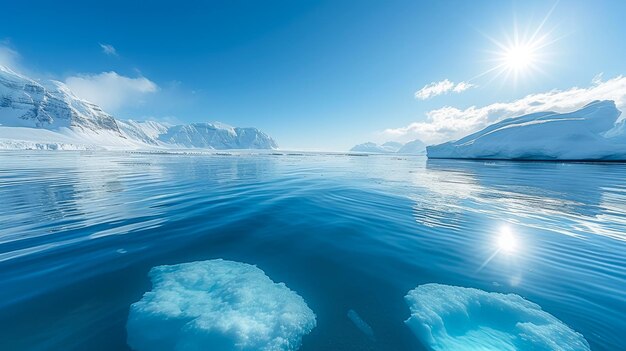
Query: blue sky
point(314, 74)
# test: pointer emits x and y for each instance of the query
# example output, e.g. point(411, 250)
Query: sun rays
point(520, 54)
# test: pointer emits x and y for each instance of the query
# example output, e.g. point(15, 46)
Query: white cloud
point(449, 123)
point(111, 90)
point(442, 87)
point(462, 86)
point(108, 49)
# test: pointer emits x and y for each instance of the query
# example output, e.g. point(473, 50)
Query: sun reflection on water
point(507, 242)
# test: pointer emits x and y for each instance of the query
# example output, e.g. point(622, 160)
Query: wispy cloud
point(8, 56)
point(597, 79)
point(108, 49)
point(110, 90)
point(442, 87)
point(462, 86)
point(449, 123)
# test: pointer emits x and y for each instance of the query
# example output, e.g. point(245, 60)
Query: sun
point(521, 53)
point(519, 57)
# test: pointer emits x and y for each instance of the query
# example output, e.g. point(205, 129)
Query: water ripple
point(78, 231)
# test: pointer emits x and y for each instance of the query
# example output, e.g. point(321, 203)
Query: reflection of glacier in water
point(80, 231)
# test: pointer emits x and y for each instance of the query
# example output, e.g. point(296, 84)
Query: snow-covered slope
point(412, 147)
point(147, 132)
point(591, 133)
point(47, 115)
point(51, 105)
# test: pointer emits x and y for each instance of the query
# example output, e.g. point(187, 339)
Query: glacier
point(594, 132)
point(448, 317)
point(47, 115)
point(218, 305)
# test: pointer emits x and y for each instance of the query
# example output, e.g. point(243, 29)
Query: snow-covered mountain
point(50, 105)
point(196, 135)
point(147, 131)
point(412, 147)
point(47, 115)
point(591, 133)
point(217, 136)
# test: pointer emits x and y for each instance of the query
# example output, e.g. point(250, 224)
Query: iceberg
point(217, 305)
point(447, 317)
point(592, 133)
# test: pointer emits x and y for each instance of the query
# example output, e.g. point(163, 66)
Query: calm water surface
point(80, 231)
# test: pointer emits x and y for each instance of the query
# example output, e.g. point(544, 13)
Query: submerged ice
point(217, 305)
point(447, 317)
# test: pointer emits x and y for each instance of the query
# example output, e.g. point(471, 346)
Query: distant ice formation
point(217, 305)
point(412, 147)
point(591, 133)
point(447, 317)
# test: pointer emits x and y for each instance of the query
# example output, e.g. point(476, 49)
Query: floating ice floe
point(447, 317)
point(217, 305)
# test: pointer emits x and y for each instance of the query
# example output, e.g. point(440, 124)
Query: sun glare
point(519, 57)
point(504, 243)
point(506, 240)
point(522, 52)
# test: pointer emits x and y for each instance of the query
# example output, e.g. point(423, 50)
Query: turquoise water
point(80, 231)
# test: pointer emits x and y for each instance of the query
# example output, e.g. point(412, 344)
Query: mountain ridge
point(52, 106)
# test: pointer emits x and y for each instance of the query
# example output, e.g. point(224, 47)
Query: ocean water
point(79, 232)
